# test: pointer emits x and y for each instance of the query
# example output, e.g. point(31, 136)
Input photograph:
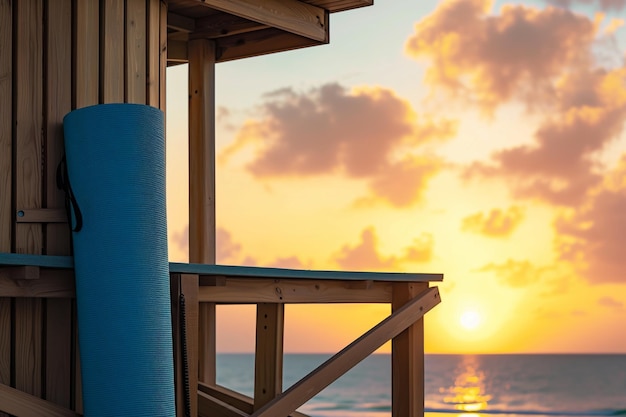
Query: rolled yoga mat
point(116, 168)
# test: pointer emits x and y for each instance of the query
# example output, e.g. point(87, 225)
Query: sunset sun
point(470, 319)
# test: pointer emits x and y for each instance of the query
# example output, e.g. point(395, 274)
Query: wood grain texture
point(112, 65)
point(407, 357)
point(342, 362)
point(247, 290)
point(163, 56)
point(288, 15)
point(153, 30)
point(28, 345)
point(268, 357)
point(58, 322)
point(202, 184)
point(58, 104)
point(77, 384)
point(51, 284)
point(29, 121)
point(136, 51)
point(211, 407)
point(20, 404)
point(5, 340)
point(6, 114)
point(86, 53)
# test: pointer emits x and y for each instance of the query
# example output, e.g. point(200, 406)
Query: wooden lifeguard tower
point(60, 55)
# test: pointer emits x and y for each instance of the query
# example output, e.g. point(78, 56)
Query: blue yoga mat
point(116, 169)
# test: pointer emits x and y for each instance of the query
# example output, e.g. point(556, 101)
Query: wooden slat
point(86, 53)
point(5, 340)
point(28, 345)
point(44, 215)
point(6, 114)
point(288, 15)
point(58, 351)
point(342, 362)
point(153, 76)
point(136, 51)
point(211, 407)
point(51, 284)
point(268, 359)
point(29, 121)
point(77, 384)
point(202, 185)
point(112, 65)
point(163, 56)
point(21, 404)
point(407, 370)
point(246, 290)
point(58, 104)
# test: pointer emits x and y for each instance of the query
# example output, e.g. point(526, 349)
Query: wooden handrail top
point(67, 262)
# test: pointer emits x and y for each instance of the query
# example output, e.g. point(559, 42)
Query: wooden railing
point(51, 278)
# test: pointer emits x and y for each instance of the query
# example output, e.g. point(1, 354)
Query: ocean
point(512, 385)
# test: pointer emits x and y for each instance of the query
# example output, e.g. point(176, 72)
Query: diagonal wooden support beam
point(234, 398)
point(342, 362)
point(20, 404)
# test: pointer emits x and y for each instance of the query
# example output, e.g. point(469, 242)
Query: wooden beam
point(112, 51)
point(51, 284)
point(202, 186)
point(135, 51)
point(211, 407)
point(268, 358)
point(234, 398)
point(252, 291)
point(342, 362)
point(407, 357)
point(292, 16)
point(19, 404)
point(43, 215)
point(180, 23)
point(86, 38)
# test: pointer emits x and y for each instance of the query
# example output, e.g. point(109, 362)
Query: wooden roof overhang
point(246, 28)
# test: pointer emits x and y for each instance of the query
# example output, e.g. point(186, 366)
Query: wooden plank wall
point(55, 56)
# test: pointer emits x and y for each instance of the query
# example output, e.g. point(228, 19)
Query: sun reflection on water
point(468, 393)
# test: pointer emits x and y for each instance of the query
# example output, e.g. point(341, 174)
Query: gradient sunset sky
point(483, 140)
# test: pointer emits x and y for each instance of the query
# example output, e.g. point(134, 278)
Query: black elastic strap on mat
point(63, 183)
point(183, 343)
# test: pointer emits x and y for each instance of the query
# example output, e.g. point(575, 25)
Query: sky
point(482, 140)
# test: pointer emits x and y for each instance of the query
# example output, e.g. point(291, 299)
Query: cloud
point(608, 5)
point(227, 250)
point(517, 274)
point(367, 133)
point(490, 59)
point(610, 302)
point(290, 262)
point(592, 239)
point(365, 256)
point(498, 223)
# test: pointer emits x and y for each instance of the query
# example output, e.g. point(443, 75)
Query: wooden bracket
point(42, 215)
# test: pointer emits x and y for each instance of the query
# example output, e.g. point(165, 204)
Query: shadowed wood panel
point(28, 345)
point(21, 404)
point(29, 121)
point(5, 341)
point(113, 51)
point(58, 104)
point(86, 41)
point(58, 351)
point(153, 77)
point(6, 114)
point(77, 384)
point(136, 51)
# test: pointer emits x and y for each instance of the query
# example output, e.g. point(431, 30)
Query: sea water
point(515, 385)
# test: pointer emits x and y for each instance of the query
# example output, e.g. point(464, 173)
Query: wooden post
point(268, 359)
point(202, 185)
point(407, 357)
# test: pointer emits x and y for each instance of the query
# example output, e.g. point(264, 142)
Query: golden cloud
point(489, 59)
point(367, 133)
point(365, 256)
point(497, 223)
point(515, 273)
